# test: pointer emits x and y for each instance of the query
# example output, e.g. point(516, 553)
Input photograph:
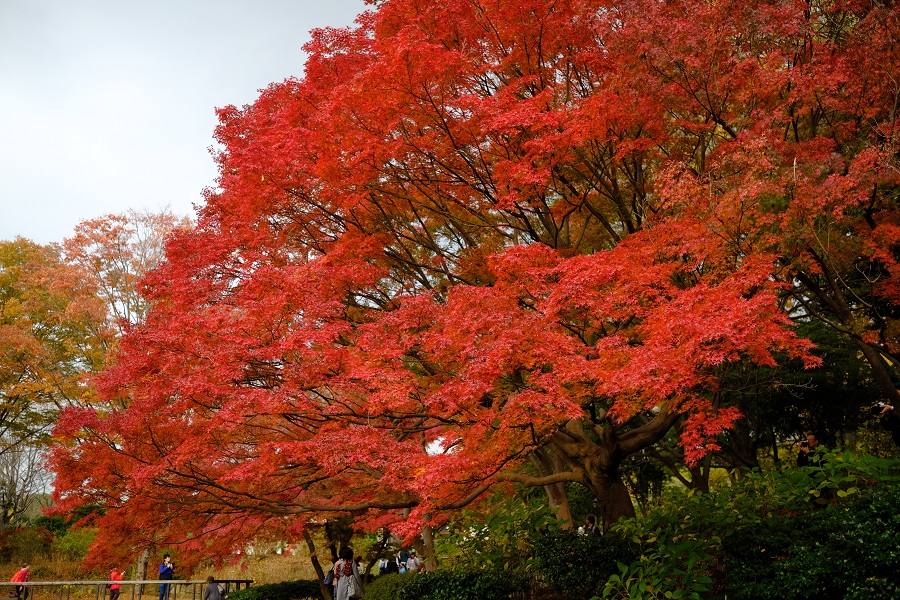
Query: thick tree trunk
point(700, 474)
point(597, 460)
point(140, 569)
point(559, 503)
point(609, 488)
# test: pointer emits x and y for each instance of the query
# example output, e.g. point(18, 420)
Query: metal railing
point(186, 589)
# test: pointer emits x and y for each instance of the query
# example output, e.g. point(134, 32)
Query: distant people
point(392, 566)
point(890, 420)
point(116, 574)
point(213, 591)
point(590, 526)
point(21, 576)
point(810, 455)
point(413, 563)
point(344, 570)
point(166, 573)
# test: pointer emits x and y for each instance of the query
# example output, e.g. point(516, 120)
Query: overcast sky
point(107, 105)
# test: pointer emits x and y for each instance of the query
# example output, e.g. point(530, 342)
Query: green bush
point(817, 532)
point(498, 537)
point(462, 584)
point(578, 564)
point(288, 590)
point(387, 587)
point(844, 551)
point(26, 544)
point(74, 543)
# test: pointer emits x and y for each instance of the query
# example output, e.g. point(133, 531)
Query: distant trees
point(62, 309)
point(55, 332)
point(53, 335)
point(116, 251)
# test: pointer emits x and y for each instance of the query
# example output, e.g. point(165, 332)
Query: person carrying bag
point(348, 585)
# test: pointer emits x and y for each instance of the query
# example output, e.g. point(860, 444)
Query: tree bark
point(545, 464)
point(428, 549)
point(317, 567)
point(140, 571)
point(596, 462)
point(882, 375)
point(609, 488)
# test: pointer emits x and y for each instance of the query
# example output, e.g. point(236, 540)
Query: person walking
point(213, 591)
point(21, 576)
point(344, 570)
point(116, 574)
point(166, 573)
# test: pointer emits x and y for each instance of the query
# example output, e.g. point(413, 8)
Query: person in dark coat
point(166, 573)
point(890, 420)
point(213, 591)
point(590, 526)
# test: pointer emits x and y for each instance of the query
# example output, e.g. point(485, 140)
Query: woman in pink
point(21, 576)
point(115, 588)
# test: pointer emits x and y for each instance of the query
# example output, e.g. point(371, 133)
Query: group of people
point(345, 578)
point(21, 576)
point(405, 561)
point(214, 591)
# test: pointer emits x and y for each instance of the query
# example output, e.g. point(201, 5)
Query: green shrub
point(820, 532)
point(288, 590)
point(387, 587)
point(844, 551)
point(578, 564)
point(74, 543)
point(462, 584)
point(674, 568)
point(26, 544)
point(500, 537)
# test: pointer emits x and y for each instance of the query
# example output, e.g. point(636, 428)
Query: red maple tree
point(476, 234)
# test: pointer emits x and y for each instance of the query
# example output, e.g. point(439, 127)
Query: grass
point(262, 569)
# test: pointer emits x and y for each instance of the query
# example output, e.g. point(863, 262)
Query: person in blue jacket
point(166, 572)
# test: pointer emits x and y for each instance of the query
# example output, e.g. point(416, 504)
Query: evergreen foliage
point(579, 564)
point(288, 590)
point(463, 584)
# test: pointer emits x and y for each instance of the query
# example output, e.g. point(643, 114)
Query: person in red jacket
point(21, 576)
point(116, 574)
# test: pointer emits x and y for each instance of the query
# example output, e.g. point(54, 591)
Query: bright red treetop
point(471, 234)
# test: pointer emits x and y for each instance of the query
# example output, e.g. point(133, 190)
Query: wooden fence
point(179, 589)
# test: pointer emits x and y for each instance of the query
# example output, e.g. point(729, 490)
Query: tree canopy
point(476, 234)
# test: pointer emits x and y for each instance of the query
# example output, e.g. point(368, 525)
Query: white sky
point(107, 105)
